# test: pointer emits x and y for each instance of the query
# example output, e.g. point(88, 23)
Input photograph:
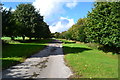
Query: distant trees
point(76, 32)
point(25, 21)
point(102, 25)
point(56, 34)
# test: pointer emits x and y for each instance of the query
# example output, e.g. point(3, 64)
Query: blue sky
point(60, 16)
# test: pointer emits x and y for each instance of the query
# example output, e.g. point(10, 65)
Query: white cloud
point(60, 26)
point(71, 4)
point(48, 7)
point(52, 9)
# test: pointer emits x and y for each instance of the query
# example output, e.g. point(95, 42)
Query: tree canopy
point(25, 21)
point(103, 25)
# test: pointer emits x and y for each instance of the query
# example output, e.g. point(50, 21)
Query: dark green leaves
point(103, 25)
point(25, 21)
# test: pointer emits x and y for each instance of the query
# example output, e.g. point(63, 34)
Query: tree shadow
point(7, 63)
point(106, 49)
point(12, 51)
point(35, 41)
point(18, 50)
point(74, 50)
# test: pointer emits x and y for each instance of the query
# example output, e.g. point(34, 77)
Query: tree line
point(102, 25)
point(25, 21)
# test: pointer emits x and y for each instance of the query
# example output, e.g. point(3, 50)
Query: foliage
point(76, 32)
point(62, 35)
point(66, 41)
point(25, 21)
point(103, 25)
point(56, 34)
point(45, 31)
point(8, 24)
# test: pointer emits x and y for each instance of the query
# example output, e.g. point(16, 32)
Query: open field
point(90, 63)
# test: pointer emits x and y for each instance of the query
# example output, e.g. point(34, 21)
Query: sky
point(60, 15)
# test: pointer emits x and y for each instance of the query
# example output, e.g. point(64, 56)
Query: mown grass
point(90, 63)
point(17, 51)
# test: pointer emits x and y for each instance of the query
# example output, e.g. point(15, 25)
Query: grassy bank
point(17, 51)
point(87, 62)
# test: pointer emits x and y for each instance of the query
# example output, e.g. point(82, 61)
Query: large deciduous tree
point(32, 24)
point(25, 16)
point(103, 25)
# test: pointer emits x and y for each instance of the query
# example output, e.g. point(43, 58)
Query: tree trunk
point(23, 38)
point(29, 38)
point(12, 38)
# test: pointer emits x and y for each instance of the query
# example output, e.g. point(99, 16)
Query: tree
point(38, 29)
point(103, 25)
point(61, 35)
point(47, 33)
point(42, 30)
point(24, 14)
point(31, 22)
point(76, 32)
point(8, 25)
point(56, 34)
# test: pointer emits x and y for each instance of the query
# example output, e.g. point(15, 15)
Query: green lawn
point(18, 51)
point(90, 63)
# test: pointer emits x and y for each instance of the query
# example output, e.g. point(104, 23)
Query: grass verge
point(90, 63)
point(17, 51)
